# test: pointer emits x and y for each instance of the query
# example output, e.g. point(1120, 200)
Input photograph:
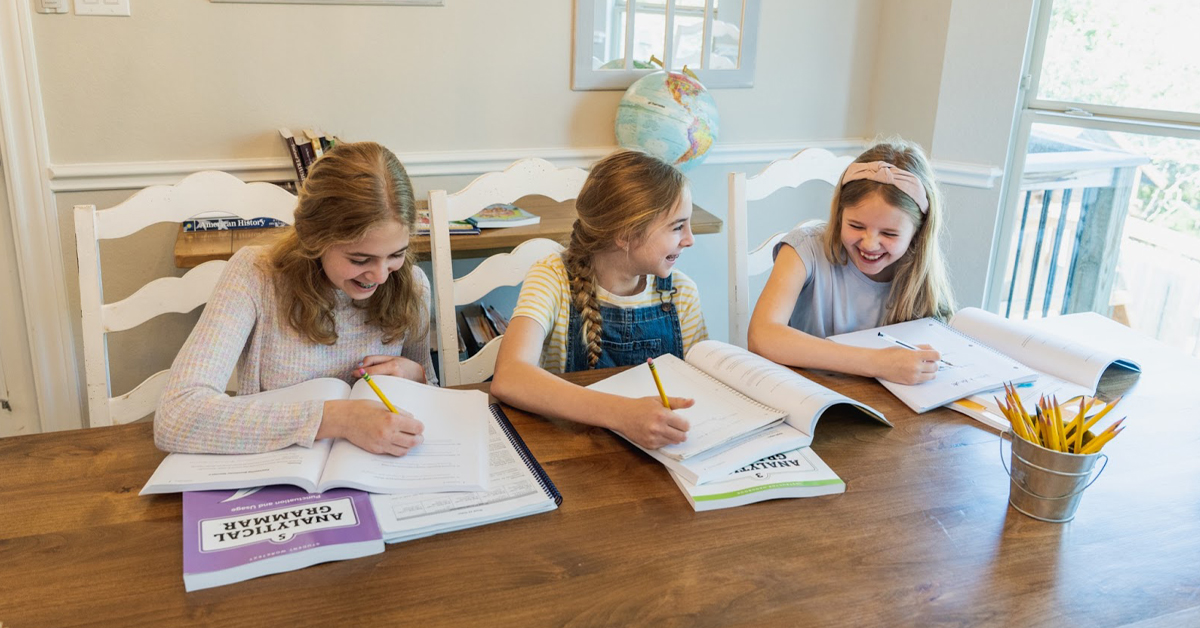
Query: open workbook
point(453, 456)
point(517, 487)
point(747, 407)
point(982, 351)
point(1066, 369)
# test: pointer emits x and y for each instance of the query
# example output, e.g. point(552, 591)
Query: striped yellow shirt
point(546, 298)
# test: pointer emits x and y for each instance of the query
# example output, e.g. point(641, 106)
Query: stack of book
point(478, 324)
point(751, 426)
point(305, 148)
point(457, 227)
point(473, 469)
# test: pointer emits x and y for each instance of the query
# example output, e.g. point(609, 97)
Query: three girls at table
point(339, 296)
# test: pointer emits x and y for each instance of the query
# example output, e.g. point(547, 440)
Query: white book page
point(300, 466)
point(717, 417)
point(1075, 362)
point(721, 461)
point(512, 490)
point(771, 384)
point(453, 456)
point(965, 368)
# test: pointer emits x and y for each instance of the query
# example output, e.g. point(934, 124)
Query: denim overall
point(629, 335)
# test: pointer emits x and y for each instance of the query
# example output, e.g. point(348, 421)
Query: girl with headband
point(876, 262)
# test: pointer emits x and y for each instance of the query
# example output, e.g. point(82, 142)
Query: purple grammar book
point(230, 536)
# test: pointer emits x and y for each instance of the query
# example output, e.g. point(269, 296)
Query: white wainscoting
point(135, 175)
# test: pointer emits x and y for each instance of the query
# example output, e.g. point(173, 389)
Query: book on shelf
point(796, 473)
point(305, 148)
point(225, 223)
point(517, 487)
point(1065, 369)
point(293, 147)
point(747, 408)
point(453, 456)
point(499, 321)
point(980, 352)
point(457, 227)
point(500, 215)
point(231, 536)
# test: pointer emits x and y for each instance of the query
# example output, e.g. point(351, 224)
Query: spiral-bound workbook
point(747, 407)
point(981, 351)
point(517, 487)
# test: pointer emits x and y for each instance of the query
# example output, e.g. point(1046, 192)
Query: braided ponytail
point(578, 262)
point(623, 195)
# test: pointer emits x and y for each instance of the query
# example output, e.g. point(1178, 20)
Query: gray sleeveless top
point(835, 299)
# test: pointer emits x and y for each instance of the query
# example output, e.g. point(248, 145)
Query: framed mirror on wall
point(614, 41)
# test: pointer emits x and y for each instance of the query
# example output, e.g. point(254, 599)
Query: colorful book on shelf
point(517, 487)
point(453, 456)
point(796, 473)
point(226, 223)
point(500, 215)
point(457, 227)
point(747, 408)
point(231, 536)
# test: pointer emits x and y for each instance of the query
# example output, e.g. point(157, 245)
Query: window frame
point(585, 78)
point(1033, 110)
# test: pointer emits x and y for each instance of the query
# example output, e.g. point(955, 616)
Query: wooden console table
point(193, 249)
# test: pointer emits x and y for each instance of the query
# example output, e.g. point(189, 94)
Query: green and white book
point(796, 473)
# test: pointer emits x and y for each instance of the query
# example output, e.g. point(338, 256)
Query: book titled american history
point(230, 536)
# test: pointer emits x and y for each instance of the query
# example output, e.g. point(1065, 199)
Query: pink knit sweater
point(242, 325)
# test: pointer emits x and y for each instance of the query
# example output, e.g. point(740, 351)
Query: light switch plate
point(102, 7)
point(50, 6)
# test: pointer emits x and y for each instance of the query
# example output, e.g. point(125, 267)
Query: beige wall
point(907, 72)
point(202, 80)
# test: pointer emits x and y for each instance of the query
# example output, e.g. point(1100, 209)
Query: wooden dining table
point(555, 220)
point(923, 535)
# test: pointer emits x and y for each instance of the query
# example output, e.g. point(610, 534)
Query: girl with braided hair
point(613, 298)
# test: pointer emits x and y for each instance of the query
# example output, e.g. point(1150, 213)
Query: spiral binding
point(976, 342)
point(531, 463)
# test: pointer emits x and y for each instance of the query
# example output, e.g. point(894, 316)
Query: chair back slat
point(813, 164)
point(208, 192)
point(164, 295)
point(525, 177)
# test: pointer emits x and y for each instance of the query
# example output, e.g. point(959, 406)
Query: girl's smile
point(357, 268)
point(876, 235)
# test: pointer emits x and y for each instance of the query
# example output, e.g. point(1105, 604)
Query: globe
point(668, 115)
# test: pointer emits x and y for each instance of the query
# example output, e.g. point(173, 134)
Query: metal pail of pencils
point(1046, 484)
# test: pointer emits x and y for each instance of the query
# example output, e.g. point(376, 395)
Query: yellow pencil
point(382, 398)
point(658, 382)
point(1097, 443)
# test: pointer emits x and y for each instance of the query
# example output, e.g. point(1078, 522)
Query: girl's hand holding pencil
point(1046, 427)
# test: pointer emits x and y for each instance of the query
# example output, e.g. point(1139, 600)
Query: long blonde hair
point(920, 285)
point(352, 189)
point(623, 195)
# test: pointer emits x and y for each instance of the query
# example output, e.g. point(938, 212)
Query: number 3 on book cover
point(230, 536)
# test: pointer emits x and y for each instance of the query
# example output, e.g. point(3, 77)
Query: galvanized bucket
point(1047, 485)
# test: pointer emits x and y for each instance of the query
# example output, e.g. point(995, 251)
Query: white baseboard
point(136, 175)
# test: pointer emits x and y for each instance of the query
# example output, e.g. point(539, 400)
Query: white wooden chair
point(523, 178)
point(208, 191)
point(812, 164)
